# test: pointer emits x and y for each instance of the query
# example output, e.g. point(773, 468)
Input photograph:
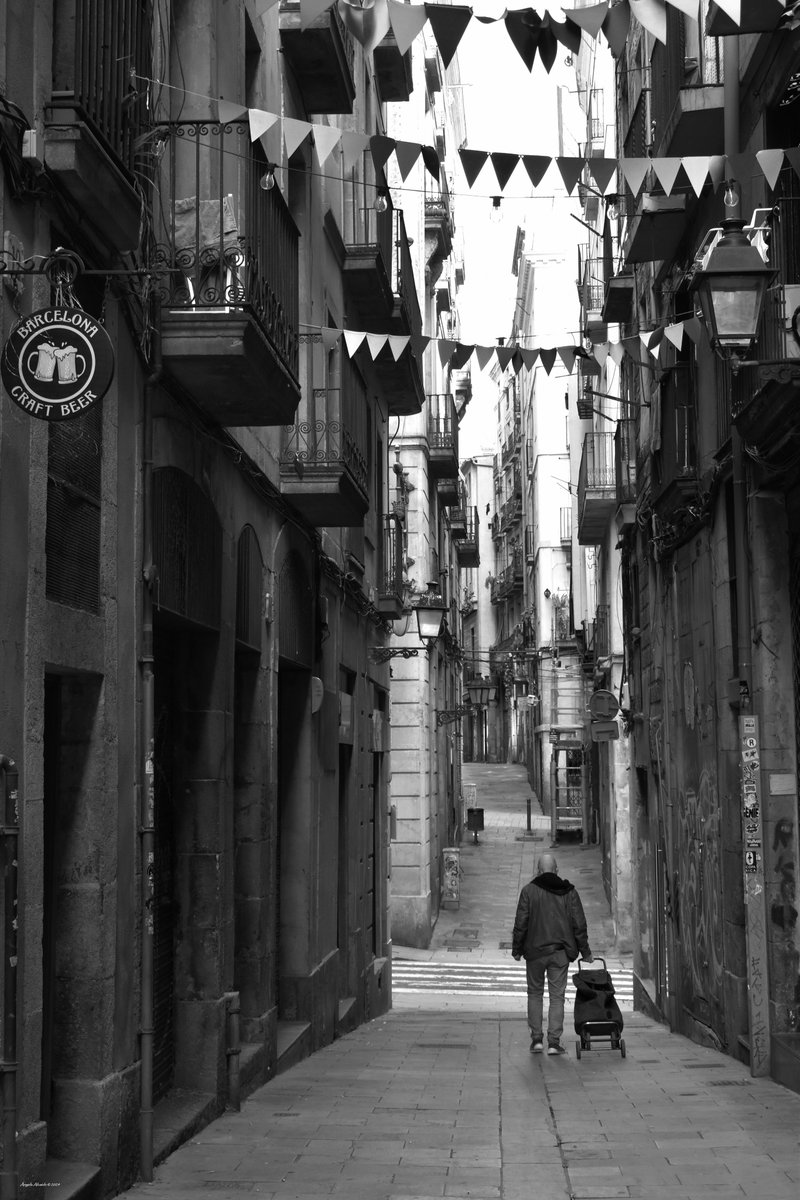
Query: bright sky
point(507, 108)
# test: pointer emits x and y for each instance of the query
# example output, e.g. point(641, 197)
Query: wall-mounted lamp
point(430, 612)
point(731, 286)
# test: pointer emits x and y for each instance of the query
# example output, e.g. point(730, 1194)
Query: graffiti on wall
point(783, 911)
point(700, 890)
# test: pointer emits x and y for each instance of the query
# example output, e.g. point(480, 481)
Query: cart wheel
point(577, 1049)
point(622, 1046)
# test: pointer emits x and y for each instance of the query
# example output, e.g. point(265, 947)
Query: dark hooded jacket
point(550, 917)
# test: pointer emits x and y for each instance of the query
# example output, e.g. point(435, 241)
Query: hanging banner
point(57, 363)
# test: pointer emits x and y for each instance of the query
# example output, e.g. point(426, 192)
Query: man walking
point(549, 933)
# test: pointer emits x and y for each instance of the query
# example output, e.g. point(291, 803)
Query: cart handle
point(589, 966)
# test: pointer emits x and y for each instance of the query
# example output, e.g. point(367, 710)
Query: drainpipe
point(754, 890)
point(147, 788)
point(9, 1176)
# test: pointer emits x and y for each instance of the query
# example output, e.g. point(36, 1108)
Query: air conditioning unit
point(791, 320)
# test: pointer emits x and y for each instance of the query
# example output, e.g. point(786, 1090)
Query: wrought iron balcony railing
point(390, 587)
point(625, 460)
point(222, 241)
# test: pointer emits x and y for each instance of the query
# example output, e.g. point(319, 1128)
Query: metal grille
point(72, 540)
point(187, 545)
point(101, 58)
point(249, 586)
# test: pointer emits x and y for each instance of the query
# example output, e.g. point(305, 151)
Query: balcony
point(511, 446)
point(447, 492)
point(686, 102)
point(497, 532)
point(618, 300)
point(367, 255)
point(227, 256)
point(656, 229)
point(591, 296)
point(565, 526)
point(322, 58)
point(510, 580)
point(530, 545)
point(458, 514)
point(675, 484)
point(442, 436)
point(324, 458)
point(92, 120)
point(438, 230)
point(389, 601)
point(510, 513)
point(467, 549)
point(392, 70)
point(625, 468)
point(597, 499)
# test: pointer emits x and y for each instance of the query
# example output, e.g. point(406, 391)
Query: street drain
point(728, 1082)
point(442, 1045)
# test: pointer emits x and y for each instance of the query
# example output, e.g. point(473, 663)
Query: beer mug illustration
point(45, 355)
point(67, 358)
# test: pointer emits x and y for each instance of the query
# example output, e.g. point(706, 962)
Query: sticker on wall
point(57, 363)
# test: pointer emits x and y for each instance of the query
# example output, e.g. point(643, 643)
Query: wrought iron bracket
point(447, 715)
point(381, 654)
point(64, 266)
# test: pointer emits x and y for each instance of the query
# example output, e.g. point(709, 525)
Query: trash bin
point(475, 821)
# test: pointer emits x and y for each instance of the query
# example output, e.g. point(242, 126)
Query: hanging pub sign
point(57, 363)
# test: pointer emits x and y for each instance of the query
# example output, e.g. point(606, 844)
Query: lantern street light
point(430, 624)
point(731, 287)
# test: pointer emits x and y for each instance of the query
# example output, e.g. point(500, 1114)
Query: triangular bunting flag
point(644, 338)
point(529, 358)
point(398, 343)
point(446, 350)
point(461, 357)
point(406, 153)
point(294, 134)
point(690, 7)
point(635, 170)
point(652, 14)
point(504, 166)
point(602, 170)
point(536, 165)
point(547, 358)
point(260, 122)
point(717, 165)
point(600, 352)
point(696, 168)
point(524, 28)
point(548, 44)
point(406, 21)
point(571, 169)
point(694, 329)
point(431, 160)
point(504, 355)
point(568, 33)
point(228, 112)
point(326, 139)
point(771, 163)
point(483, 355)
point(448, 24)
point(352, 340)
point(310, 10)
point(368, 24)
point(666, 170)
point(472, 161)
point(590, 20)
point(567, 356)
point(516, 361)
point(353, 146)
point(741, 166)
point(656, 341)
point(419, 344)
point(330, 337)
point(674, 334)
point(616, 351)
point(616, 26)
point(263, 6)
point(733, 8)
point(793, 155)
point(381, 147)
point(376, 343)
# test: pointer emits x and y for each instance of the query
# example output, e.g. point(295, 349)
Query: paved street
point(441, 1098)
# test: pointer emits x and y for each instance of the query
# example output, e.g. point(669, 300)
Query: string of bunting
point(642, 347)
point(696, 169)
point(369, 21)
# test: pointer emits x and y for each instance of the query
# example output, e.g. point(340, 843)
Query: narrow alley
point(441, 1097)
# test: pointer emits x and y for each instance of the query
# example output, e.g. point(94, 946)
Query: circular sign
point(603, 705)
point(57, 363)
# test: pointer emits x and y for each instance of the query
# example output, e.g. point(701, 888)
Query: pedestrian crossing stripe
point(492, 979)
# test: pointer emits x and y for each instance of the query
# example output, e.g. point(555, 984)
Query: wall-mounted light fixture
point(730, 286)
point(430, 613)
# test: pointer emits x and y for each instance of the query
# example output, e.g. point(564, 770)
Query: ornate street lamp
point(731, 287)
point(430, 616)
